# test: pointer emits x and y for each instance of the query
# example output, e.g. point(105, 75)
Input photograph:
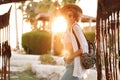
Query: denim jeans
point(68, 73)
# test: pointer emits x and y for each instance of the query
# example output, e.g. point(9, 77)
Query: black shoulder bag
point(87, 59)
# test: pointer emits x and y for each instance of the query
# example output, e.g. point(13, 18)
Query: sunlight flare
point(59, 25)
point(65, 53)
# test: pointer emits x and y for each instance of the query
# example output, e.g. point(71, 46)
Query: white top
point(78, 70)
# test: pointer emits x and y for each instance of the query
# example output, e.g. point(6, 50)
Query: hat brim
point(68, 7)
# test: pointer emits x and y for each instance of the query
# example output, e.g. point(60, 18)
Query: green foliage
point(90, 36)
point(36, 42)
point(68, 1)
point(47, 59)
point(44, 5)
point(34, 8)
point(30, 12)
point(25, 75)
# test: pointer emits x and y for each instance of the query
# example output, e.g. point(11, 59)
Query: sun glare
point(65, 53)
point(59, 25)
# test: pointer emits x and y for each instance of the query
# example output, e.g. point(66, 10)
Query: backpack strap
point(78, 43)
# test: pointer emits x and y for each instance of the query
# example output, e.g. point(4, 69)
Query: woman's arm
point(77, 53)
point(73, 55)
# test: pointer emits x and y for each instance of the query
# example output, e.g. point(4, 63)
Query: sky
point(89, 8)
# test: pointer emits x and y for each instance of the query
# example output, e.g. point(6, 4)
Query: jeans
point(68, 73)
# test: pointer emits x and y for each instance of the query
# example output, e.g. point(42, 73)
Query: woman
point(74, 71)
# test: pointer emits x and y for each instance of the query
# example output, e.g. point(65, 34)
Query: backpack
point(88, 59)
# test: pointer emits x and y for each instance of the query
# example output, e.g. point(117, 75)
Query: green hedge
point(36, 42)
point(90, 36)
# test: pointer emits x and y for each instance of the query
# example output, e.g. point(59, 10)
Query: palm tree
point(68, 1)
point(34, 8)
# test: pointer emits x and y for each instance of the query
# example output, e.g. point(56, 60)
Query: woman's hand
point(68, 59)
point(72, 55)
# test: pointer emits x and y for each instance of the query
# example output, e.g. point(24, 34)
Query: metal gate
point(5, 50)
point(108, 40)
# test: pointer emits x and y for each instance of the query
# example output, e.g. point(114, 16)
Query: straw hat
point(71, 7)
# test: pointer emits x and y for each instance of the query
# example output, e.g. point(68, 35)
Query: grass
point(25, 75)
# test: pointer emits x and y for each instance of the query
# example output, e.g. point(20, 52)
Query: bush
point(36, 42)
point(90, 36)
point(47, 59)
